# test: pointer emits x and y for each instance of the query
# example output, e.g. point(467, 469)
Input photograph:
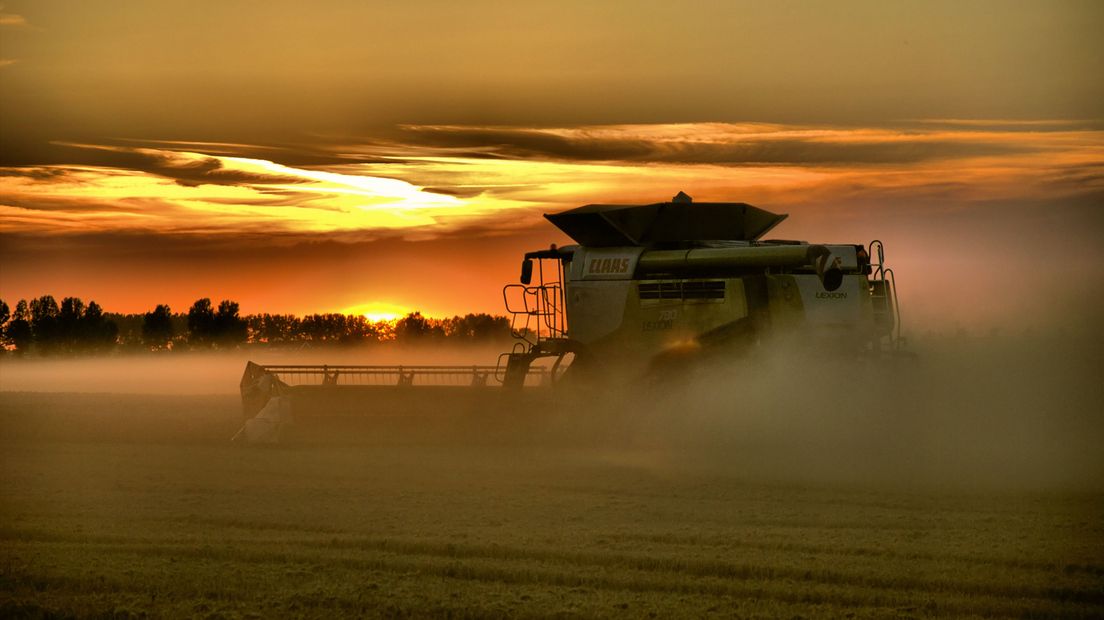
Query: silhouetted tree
point(129, 330)
point(414, 328)
point(69, 336)
point(44, 323)
point(477, 328)
point(201, 323)
point(323, 327)
point(18, 331)
point(97, 333)
point(385, 330)
point(157, 327)
point(274, 328)
point(5, 314)
point(230, 329)
point(358, 330)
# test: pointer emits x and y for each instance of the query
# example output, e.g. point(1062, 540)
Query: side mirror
point(527, 271)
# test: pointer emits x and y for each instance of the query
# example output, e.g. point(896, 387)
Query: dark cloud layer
point(907, 142)
point(189, 172)
point(69, 204)
point(135, 154)
point(524, 143)
point(210, 171)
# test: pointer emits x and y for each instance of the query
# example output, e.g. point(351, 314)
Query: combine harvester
point(645, 288)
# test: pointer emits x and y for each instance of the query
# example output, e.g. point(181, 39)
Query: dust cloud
point(1003, 412)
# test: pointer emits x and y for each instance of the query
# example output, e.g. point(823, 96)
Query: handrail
point(540, 305)
point(889, 283)
point(892, 281)
point(877, 274)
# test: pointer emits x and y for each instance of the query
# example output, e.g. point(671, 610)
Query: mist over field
point(209, 372)
point(995, 411)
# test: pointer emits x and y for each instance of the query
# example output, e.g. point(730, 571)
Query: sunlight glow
point(378, 311)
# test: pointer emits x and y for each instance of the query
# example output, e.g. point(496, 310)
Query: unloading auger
point(642, 286)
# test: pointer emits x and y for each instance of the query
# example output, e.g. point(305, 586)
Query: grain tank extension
point(643, 287)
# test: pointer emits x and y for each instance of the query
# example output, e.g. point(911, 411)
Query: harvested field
point(135, 505)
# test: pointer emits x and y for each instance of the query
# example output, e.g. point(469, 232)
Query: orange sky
point(352, 155)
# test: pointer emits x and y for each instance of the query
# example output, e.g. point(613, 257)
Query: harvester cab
point(643, 287)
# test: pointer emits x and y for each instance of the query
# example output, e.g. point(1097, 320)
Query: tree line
point(45, 327)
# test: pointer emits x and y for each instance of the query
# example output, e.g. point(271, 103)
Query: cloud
point(185, 168)
point(11, 20)
point(37, 173)
point(180, 191)
point(1006, 124)
point(720, 143)
point(430, 180)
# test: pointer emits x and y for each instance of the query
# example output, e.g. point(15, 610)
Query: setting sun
point(378, 311)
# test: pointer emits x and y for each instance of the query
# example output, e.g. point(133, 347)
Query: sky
point(382, 157)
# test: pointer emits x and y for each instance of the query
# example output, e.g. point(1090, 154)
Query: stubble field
point(136, 505)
